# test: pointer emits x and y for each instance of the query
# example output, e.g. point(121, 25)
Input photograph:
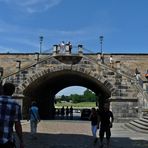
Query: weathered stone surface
point(110, 81)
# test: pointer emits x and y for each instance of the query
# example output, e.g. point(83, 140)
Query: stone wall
point(121, 108)
point(131, 61)
point(124, 110)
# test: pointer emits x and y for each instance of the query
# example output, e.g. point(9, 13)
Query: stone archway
point(44, 88)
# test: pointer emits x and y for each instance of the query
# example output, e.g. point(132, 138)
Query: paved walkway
point(77, 134)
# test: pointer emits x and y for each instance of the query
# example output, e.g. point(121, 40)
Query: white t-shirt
point(111, 60)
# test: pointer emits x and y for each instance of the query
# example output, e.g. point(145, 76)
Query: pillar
point(55, 49)
point(67, 51)
point(118, 66)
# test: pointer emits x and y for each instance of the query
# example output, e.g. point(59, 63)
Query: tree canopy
point(88, 96)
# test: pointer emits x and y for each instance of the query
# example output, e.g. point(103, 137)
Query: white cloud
point(32, 6)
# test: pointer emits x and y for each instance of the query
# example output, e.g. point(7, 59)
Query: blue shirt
point(34, 115)
point(10, 112)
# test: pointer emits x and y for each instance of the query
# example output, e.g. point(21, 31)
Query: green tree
point(89, 95)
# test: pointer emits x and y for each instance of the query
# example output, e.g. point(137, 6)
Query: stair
point(139, 125)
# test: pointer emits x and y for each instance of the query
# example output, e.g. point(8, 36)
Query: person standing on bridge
point(34, 119)
point(10, 115)
point(62, 47)
point(106, 122)
point(70, 46)
point(111, 61)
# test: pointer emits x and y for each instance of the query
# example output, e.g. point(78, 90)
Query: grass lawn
point(77, 105)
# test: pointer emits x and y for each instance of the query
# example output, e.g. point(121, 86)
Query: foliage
point(88, 96)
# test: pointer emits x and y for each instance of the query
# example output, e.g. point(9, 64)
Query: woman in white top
point(111, 61)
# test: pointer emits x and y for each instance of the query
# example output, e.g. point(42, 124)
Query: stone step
point(122, 97)
point(141, 122)
point(134, 128)
point(139, 125)
point(144, 120)
point(145, 117)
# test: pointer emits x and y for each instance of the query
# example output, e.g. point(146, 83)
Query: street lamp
point(37, 56)
point(41, 40)
point(101, 41)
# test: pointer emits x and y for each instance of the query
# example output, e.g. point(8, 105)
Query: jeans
point(33, 127)
point(94, 130)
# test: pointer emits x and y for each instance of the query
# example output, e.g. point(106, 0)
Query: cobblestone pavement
point(77, 134)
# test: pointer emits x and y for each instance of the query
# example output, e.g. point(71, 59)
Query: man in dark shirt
point(106, 121)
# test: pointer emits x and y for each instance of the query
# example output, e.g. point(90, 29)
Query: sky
point(72, 90)
point(122, 23)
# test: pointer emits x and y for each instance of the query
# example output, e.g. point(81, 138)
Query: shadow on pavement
point(78, 141)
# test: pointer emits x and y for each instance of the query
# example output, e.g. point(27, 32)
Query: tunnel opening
point(44, 89)
point(74, 103)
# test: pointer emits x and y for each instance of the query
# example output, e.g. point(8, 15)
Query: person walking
point(62, 112)
point(71, 112)
point(94, 123)
point(67, 112)
point(10, 115)
point(106, 122)
point(34, 119)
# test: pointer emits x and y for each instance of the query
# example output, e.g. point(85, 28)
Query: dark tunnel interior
point(44, 89)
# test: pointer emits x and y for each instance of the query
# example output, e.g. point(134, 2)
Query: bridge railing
point(125, 71)
point(42, 57)
point(67, 50)
point(42, 60)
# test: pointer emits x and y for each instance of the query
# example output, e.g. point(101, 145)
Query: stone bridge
point(43, 78)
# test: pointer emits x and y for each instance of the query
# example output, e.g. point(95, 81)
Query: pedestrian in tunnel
point(94, 123)
point(34, 119)
point(106, 122)
point(67, 112)
point(10, 115)
point(71, 112)
point(62, 112)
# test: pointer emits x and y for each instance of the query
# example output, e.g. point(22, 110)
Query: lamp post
point(37, 56)
point(41, 40)
point(101, 41)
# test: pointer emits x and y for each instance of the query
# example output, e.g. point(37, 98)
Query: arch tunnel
point(44, 89)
